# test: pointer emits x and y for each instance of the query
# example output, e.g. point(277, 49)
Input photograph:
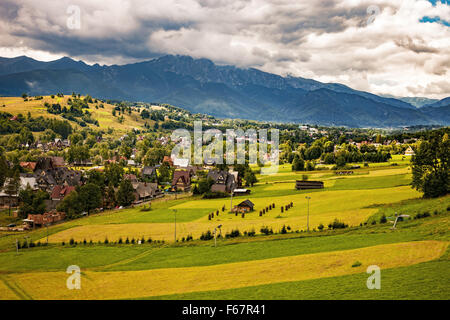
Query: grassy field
point(297, 265)
point(16, 105)
point(134, 284)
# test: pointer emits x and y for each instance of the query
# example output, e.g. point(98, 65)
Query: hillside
point(16, 105)
point(199, 85)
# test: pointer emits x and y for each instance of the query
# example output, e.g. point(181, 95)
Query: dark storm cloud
point(331, 40)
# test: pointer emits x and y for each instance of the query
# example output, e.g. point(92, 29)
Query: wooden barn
point(304, 184)
point(244, 206)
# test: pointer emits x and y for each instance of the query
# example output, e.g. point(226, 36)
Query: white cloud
point(325, 40)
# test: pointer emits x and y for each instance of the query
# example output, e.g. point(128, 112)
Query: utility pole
point(231, 201)
point(307, 221)
point(175, 212)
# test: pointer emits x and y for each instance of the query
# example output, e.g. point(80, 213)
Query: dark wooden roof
point(246, 203)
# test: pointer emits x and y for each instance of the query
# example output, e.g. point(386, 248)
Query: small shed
point(305, 184)
point(244, 206)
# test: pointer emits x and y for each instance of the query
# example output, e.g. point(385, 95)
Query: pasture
point(296, 265)
point(351, 199)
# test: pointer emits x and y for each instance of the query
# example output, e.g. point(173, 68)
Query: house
point(168, 160)
point(305, 184)
point(82, 163)
point(239, 192)
point(181, 163)
point(144, 191)
point(244, 206)
point(47, 179)
point(223, 181)
point(47, 218)
point(181, 180)
point(28, 165)
point(409, 152)
point(193, 170)
point(58, 161)
point(131, 163)
point(130, 176)
point(149, 173)
point(25, 181)
point(59, 192)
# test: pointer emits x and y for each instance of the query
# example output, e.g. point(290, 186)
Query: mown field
point(351, 199)
point(329, 264)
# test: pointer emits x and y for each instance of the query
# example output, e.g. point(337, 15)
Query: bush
point(214, 195)
point(422, 215)
point(71, 241)
point(127, 241)
point(336, 224)
point(233, 234)
point(265, 230)
point(207, 235)
point(283, 230)
point(356, 264)
point(251, 233)
point(120, 240)
point(63, 243)
point(320, 227)
point(149, 240)
point(106, 241)
point(383, 219)
point(84, 241)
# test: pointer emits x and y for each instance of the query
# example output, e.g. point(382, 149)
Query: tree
point(125, 194)
point(110, 197)
point(250, 178)
point(70, 205)
point(77, 153)
point(165, 173)
point(313, 152)
point(96, 177)
point(12, 187)
point(340, 161)
point(32, 202)
point(26, 136)
point(3, 168)
point(298, 164)
point(430, 166)
point(113, 174)
point(204, 185)
point(309, 166)
point(75, 138)
point(154, 156)
point(89, 197)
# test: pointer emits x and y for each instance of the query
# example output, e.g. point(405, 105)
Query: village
point(57, 179)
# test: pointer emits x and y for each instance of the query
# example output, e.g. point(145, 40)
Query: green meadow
point(359, 200)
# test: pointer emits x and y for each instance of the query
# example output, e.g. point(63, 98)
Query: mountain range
point(201, 86)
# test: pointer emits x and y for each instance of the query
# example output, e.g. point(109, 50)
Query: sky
point(401, 48)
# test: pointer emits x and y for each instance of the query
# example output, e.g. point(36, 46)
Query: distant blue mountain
point(201, 86)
